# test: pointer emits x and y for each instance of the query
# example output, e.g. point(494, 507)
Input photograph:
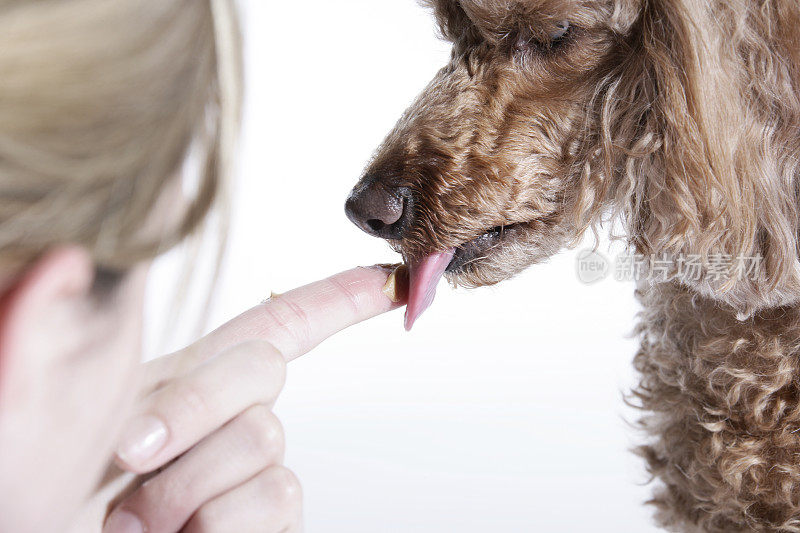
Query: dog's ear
point(700, 120)
point(453, 22)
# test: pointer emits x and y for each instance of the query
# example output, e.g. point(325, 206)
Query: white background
point(502, 411)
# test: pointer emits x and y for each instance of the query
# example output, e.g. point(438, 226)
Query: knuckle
point(265, 361)
point(272, 363)
point(289, 318)
point(346, 293)
point(299, 321)
point(259, 367)
point(190, 398)
point(283, 485)
point(207, 518)
point(163, 493)
point(264, 431)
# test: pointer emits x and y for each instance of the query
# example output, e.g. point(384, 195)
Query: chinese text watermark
point(592, 266)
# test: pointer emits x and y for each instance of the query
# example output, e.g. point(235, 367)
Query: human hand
point(205, 430)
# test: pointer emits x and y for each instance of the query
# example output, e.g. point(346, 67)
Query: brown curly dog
point(680, 120)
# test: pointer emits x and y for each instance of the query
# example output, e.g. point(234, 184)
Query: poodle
point(677, 121)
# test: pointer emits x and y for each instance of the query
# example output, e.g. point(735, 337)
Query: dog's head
point(677, 117)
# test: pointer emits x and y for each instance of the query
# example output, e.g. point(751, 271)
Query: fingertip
point(387, 284)
point(360, 289)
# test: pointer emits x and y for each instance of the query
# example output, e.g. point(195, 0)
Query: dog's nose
point(378, 209)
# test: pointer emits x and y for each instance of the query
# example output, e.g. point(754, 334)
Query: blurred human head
point(101, 104)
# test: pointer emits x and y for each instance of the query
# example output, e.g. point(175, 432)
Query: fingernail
point(123, 522)
point(396, 287)
point(142, 439)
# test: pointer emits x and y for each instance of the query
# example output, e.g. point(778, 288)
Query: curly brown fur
point(681, 120)
point(724, 402)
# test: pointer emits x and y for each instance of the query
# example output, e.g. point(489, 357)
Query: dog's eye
point(524, 41)
point(561, 30)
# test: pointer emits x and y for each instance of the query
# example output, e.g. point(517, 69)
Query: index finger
point(297, 321)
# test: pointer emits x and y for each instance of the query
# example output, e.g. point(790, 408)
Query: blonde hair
point(100, 103)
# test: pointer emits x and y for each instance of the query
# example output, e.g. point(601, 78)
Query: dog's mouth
point(471, 253)
point(426, 271)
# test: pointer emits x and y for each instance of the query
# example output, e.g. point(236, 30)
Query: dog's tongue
point(424, 274)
